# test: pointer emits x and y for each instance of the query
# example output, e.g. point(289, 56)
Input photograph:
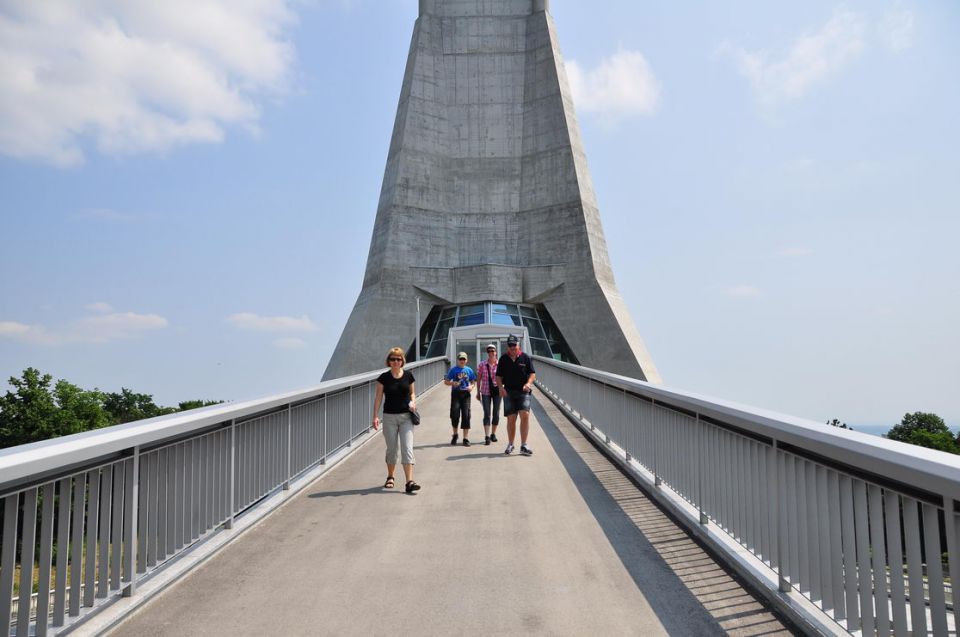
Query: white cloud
point(813, 58)
point(290, 343)
point(134, 77)
point(794, 252)
point(13, 329)
point(620, 86)
point(257, 323)
point(742, 291)
point(99, 307)
point(896, 29)
point(32, 334)
point(114, 326)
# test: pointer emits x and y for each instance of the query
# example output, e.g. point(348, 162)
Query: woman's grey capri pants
point(398, 432)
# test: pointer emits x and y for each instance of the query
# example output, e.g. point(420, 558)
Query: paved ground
point(557, 544)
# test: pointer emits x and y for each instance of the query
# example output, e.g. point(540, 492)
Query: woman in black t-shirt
point(397, 386)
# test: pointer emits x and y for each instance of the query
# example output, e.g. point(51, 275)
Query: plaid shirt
point(487, 373)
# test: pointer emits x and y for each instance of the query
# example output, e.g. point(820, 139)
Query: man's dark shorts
point(515, 401)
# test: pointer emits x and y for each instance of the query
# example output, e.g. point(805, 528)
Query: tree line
point(919, 428)
point(37, 408)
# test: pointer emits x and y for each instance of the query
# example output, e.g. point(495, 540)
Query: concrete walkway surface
point(560, 543)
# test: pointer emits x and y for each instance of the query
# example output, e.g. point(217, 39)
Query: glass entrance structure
point(545, 338)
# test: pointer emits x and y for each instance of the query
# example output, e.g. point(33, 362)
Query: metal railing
point(94, 513)
point(856, 524)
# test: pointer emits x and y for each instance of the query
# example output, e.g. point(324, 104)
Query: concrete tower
point(486, 196)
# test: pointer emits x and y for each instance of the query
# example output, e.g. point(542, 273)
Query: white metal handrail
point(94, 513)
point(849, 521)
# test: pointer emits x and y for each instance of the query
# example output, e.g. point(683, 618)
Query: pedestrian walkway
point(560, 543)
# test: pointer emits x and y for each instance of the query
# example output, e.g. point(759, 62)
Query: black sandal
point(412, 486)
point(389, 483)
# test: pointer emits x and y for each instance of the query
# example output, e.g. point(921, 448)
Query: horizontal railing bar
point(901, 464)
point(880, 480)
point(27, 461)
point(740, 431)
point(199, 433)
point(282, 408)
point(37, 480)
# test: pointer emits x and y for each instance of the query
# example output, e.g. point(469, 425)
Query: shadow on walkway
point(480, 456)
point(682, 583)
point(368, 491)
point(439, 445)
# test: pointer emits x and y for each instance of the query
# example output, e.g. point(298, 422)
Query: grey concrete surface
point(486, 194)
point(553, 544)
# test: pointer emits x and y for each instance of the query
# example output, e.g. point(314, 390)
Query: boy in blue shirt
point(462, 380)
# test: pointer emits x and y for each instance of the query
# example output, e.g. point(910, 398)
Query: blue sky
point(188, 191)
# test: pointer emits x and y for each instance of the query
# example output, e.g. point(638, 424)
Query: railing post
point(350, 419)
point(132, 497)
point(624, 419)
point(582, 407)
point(286, 483)
point(657, 480)
point(323, 451)
point(703, 514)
point(773, 474)
point(233, 473)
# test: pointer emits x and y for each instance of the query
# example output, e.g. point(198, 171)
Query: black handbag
point(415, 417)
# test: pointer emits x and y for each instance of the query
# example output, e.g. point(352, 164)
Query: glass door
point(470, 347)
point(500, 342)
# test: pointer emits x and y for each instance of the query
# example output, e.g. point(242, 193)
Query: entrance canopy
point(494, 320)
point(474, 340)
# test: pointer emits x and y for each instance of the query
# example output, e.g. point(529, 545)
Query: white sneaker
point(525, 450)
point(508, 450)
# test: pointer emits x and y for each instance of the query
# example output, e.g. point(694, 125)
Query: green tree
point(127, 406)
point(926, 430)
point(37, 408)
point(79, 409)
point(917, 421)
point(838, 424)
point(34, 411)
point(942, 441)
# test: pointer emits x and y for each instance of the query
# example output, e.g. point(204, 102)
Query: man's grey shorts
point(515, 401)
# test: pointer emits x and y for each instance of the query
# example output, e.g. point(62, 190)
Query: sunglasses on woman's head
point(395, 360)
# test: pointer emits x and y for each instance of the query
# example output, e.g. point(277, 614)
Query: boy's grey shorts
point(398, 432)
